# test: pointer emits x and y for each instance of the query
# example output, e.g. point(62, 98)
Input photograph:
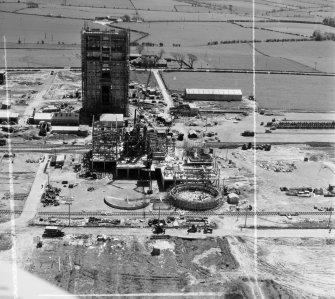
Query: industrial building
point(105, 74)
point(8, 116)
point(2, 77)
point(56, 118)
point(195, 94)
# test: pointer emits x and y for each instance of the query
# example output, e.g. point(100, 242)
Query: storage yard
point(165, 161)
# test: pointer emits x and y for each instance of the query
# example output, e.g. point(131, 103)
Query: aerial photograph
point(167, 149)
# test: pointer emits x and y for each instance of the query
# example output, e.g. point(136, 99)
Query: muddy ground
point(78, 265)
point(228, 267)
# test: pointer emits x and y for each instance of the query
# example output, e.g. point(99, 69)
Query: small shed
point(5, 105)
point(192, 134)
point(155, 251)
point(233, 198)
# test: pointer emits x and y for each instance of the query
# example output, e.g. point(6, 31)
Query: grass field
point(31, 29)
point(41, 58)
point(304, 29)
point(91, 3)
point(239, 56)
point(195, 34)
point(78, 12)
point(319, 54)
point(310, 93)
point(186, 16)
point(165, 5)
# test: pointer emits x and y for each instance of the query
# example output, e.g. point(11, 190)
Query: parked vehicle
point(192, 229)
point(52, 232)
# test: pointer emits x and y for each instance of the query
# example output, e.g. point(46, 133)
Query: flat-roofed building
point(8, 116)
point(112, 120)
point(196, 94)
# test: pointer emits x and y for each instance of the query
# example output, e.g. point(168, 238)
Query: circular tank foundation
point(195, 197)
point(122, 204)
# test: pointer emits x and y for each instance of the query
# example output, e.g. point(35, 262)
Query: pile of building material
point(51, 196)
point(278, 166)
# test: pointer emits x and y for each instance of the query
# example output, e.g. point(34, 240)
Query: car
point(288, 216)
point(208, 230)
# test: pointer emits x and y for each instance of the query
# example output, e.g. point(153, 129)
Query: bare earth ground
point(244, 266)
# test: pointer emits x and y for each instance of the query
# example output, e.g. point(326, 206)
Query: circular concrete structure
point(195, 197)
point(122, 204)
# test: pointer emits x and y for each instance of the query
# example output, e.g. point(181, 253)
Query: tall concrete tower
point(105, 73)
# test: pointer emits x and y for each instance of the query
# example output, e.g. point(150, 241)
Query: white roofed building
point(195, 94)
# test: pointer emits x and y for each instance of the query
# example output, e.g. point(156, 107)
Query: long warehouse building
point(195, 94)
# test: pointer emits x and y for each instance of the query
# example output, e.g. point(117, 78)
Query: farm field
point(237, 56)
point(31, 29)
point(272, 91)
point(307, 53)
point(91, 3)
point(159, 16)
point(196, 34)
point(12, 6)
point(296, 28)
point(271, 8)
point(41, 58)
point(195, 9)
point(77, 12)
point(162, 5)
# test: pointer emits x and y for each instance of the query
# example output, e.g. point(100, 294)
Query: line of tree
point(258, 41)
point(320, 36)
point(329, 21)
point(181, 59)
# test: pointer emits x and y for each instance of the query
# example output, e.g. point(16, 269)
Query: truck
point(52, 232)
point(248, 134)
point(60, 159)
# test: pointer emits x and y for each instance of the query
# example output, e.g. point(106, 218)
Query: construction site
point(113, 185)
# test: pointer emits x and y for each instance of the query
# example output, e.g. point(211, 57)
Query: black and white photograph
point(174, 149)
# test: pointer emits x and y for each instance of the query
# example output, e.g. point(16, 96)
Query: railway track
point(199, 214)
point(156, 214)
point(45, 148)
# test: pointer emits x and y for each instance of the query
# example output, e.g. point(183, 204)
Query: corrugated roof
point(213, 91)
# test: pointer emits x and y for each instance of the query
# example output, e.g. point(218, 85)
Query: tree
point(139, 48)
point(126, 18)
point(179, 57)
point(191, 59)
point(145, 62)
point(317, 35)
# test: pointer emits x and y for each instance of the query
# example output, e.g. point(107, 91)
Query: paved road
point(32, 201)
point(165, 93)
point(38, 99)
